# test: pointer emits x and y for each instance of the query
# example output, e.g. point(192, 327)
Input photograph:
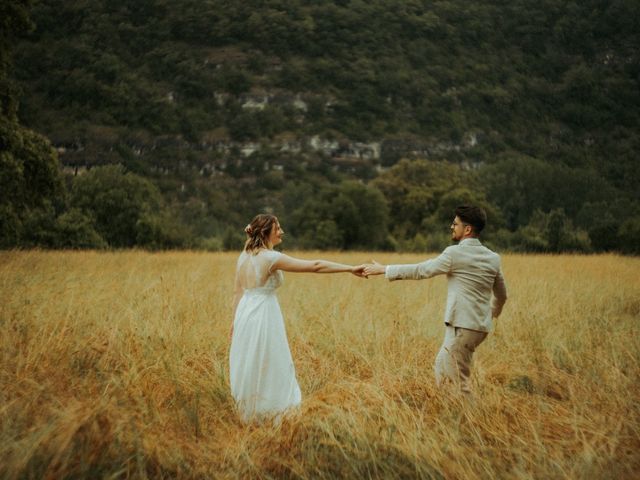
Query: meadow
point(114, 365)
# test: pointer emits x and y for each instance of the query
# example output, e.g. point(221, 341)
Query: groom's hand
point(374, 268)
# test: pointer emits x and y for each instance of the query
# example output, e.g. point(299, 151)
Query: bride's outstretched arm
point(291, 264)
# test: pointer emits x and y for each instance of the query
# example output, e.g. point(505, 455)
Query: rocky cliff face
point(216, 148)
point(76, 154)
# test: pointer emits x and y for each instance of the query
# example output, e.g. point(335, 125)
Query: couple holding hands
point(262, 374)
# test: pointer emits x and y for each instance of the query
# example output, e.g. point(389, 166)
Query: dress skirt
point(262, 374)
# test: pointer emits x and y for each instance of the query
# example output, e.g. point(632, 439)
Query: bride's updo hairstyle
point(258, 232)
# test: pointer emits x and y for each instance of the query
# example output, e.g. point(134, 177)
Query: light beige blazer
point(473, 274)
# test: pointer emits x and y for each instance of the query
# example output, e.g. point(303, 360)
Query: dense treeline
point(528, 108)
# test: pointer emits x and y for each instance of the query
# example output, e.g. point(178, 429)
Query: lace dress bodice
point(254, 271)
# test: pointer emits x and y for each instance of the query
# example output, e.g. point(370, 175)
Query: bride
point(262, 375)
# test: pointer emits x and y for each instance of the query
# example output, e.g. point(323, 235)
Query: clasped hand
point(366, 269)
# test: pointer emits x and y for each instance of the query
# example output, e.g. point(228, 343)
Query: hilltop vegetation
point(530, 108)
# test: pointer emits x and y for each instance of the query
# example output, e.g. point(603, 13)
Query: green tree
point(361, 215)
point(520, 185)
point(603, 222)
point(629, 234)
point(75, 229)
point(126, 208)
point(414, 191)
point(232, 239)
point(347, 216)
point(31, 190)
point(15, 21)
point(552, 232)
point(539, 100)
point(30, 180)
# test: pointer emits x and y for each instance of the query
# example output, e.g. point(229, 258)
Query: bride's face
point(275, 237)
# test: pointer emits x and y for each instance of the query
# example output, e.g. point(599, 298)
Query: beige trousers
point(453, 362)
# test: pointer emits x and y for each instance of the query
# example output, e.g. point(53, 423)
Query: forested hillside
point(361, 124)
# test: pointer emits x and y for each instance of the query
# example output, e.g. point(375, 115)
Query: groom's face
point(458, 229)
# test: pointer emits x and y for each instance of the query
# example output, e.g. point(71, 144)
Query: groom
point(473, 274)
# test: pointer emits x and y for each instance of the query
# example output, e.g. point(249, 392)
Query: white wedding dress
point(262, 375)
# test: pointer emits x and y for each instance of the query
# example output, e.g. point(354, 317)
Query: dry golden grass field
point(114, 365)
